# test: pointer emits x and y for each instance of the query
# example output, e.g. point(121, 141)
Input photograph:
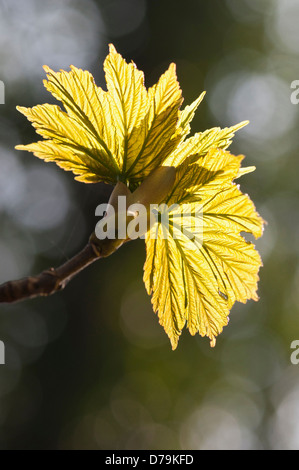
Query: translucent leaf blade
point(62, 134)
point(188, 113)
point(199, 145)
point(160, 131)
point(88, 105)
point(222, 267)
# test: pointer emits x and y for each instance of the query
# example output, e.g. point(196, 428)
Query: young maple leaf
point(196, 282)
point(124, 135)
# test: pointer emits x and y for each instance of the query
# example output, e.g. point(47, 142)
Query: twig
point(52, 280)
point(152, 190)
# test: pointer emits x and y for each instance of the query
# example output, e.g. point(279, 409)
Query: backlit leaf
point(218, 266)
point(160, 131)
point(198, 263)
point(127, 131)
point(187, 114)
point(199, 145)
point(66, 145)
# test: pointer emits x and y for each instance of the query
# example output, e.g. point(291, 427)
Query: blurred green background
point(90, 368)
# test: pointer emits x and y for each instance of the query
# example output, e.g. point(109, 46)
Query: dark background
point(90, 368)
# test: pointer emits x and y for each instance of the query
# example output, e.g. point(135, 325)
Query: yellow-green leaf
point(66, 143)
point(128, 130)
point(198, 264)
point(215, 268)
point(187, 114)
point(160, 131)
point(128, 100)
point(199, 145)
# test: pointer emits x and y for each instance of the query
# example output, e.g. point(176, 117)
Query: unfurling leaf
point(198, 263)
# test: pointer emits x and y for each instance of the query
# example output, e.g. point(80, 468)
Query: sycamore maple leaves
point(197, 285)
point(125, 133)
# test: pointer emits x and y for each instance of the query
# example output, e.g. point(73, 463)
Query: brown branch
point(52, 280)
